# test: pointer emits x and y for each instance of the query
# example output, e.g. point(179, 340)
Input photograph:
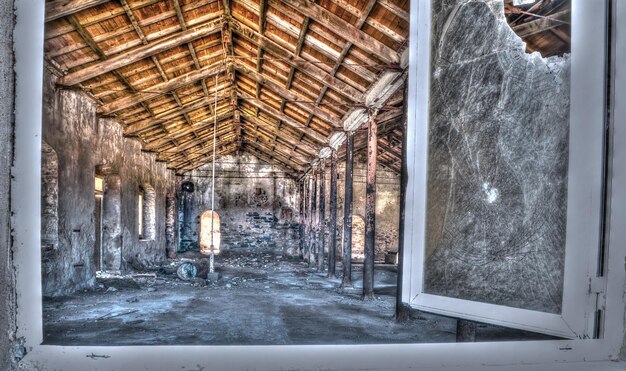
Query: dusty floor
point(259, 299)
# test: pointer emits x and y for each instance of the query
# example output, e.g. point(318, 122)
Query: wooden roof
point(285, 72)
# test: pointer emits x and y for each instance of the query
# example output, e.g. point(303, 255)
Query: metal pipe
point(347, 213)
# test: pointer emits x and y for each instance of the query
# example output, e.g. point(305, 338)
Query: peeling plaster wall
point(498, 155)
point(257, 204)
point(387, 208)
point(7, 275)
point(83, 143)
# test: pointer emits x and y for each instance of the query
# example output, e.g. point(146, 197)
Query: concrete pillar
point(370, 208)
point(332, 246)
point(347, 213)
point(171, 245)
point(321, 215)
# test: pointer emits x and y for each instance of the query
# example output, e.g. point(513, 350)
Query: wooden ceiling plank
point(136, 129)
point(284, 118)
point(271, 158)
point(317, 44)
point(295, 98)
point(174, 135)
point(395, 9)
point(347, 30)
point(162, 88)
point(302, 64)
point(139, 53)
point(60, 8)
point(282, 149)
point(270, 161)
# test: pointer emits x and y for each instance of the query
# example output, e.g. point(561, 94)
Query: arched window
point(207, 231)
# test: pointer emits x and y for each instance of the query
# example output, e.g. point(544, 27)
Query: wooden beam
point(345, 29)
point(269, 160)
point(199, 153)
point(185, 145)
point(303, 65)
point(284, 118)
point(389, 4)
point(282, 149)
point(203, 159)
point(272, 160)
point(144, 124)
point(152, 145)
point(161, 88)
point(296, 142)
point(293, 96)
point(60, 8)
point(542, 24)
point(202, 162)
point(344, 52)
point(141, 52)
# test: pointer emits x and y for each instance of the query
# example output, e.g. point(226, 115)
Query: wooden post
point(322, 210)
point(370, 207)
point(307, 212)
point(312, 248)
point(332, 247)
point(302, 220)
point(347, 213)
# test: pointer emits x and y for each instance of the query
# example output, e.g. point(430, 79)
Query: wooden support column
point(313, 241)
point(302, 219)
point(321, 215)
point(370, 207)
point(307, 224)
point(347, 213)
point(332, 228)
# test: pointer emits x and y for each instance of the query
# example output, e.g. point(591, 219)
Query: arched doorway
point(210, 223)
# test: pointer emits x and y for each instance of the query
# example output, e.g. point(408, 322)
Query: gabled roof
point(285, 72)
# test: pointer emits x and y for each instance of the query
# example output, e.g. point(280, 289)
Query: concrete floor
point(260, 299)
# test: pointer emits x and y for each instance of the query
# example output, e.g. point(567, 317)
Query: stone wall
point(85, 145)
point(498, 156)
point(257, 204)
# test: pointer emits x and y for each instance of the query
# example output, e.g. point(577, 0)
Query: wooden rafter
point(139, 53)
point(348, 31)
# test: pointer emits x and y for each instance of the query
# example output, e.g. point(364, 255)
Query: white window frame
point(584, 192)
point(25, 207)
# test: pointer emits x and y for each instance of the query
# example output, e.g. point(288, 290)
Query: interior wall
point(257, 204)
point(83, 143)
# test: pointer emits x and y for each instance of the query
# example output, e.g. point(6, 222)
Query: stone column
point(332, 247)
point(347, 213)
point(370, 208)
point(321, 215)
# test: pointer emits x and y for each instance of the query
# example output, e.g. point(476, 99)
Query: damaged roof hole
point(543, 25)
